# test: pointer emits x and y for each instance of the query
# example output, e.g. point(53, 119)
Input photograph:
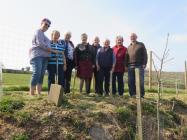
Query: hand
point(54, 51)
point(65, 67)
point(93, 66)
point(49, 50)
point(126, 69)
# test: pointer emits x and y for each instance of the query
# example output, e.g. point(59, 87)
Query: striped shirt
point(53, 57)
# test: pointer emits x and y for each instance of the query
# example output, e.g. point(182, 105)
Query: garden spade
point(56, 90)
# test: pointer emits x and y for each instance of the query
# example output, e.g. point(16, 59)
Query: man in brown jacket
point(136, 57)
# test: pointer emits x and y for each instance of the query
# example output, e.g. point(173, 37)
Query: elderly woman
point(69, 50)
point(120, 52)
point(105, 61)
point(56, 59)
point(39, 54)
point(84, 60)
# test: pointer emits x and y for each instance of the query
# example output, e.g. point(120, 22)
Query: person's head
point(45, 24)
point(96, 41)
point(133, 37)
point(55, 35)
point(84, 38)
point(106, 43)
point(67, 36)
point(119, 40)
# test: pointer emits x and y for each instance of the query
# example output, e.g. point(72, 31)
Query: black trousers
point(68, 73)
point(95, 74)
point(52, 72)
point(103, 76)
point(119, 77)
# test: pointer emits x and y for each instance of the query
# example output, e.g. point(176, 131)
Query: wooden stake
point(176, 87)
point(150, 70)
point(139, 108)
point(186, 76)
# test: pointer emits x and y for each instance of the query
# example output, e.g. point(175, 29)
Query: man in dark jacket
point(95, 47)
point(105, 61)
point(69, 50)
point(136, 57)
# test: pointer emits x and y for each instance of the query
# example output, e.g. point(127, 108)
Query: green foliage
point(184, 130)
point(78, 124)
point(148, 108)
point(66, 103)
point(9, 105)
point(169, 119)
point(85, 106)
point(20, 137)
point(123, 114)
point(70, 136)
point(23, 117)
point(179, 103)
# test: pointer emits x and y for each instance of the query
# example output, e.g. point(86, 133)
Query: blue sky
point(151, 20)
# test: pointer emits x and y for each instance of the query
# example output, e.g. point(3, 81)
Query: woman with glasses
point(39, 54)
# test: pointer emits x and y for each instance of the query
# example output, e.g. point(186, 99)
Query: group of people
point(93, 62)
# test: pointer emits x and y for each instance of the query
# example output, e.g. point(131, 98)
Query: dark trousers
point(95, 74)
point(103, 76)
point(52, 73)
point(119, 77)
point(131, 81)
point(67, 75)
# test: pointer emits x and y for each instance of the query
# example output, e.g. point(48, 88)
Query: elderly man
point(136, 57)
point(105, 61)
point(120, 52)
point(95, 47)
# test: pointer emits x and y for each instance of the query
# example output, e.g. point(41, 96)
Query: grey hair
point(119, 37)
point(68, 33)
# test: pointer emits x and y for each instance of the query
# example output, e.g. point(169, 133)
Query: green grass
point(20, 82)
point(17, 80)
point(9, 105)
point(123, 114)
point(20, 137)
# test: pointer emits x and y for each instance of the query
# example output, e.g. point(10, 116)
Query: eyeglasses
point(47, 25)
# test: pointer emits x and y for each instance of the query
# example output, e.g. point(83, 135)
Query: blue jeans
point(39, 66)
point(131, 81)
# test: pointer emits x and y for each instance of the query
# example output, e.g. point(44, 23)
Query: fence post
point(185, 77)
point(176, 86)
point(139, 108)
point(1, 80)
point(162, 90)
point(150, 69)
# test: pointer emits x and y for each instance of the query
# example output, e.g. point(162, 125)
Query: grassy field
point(20, 82)
point(13, 79)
